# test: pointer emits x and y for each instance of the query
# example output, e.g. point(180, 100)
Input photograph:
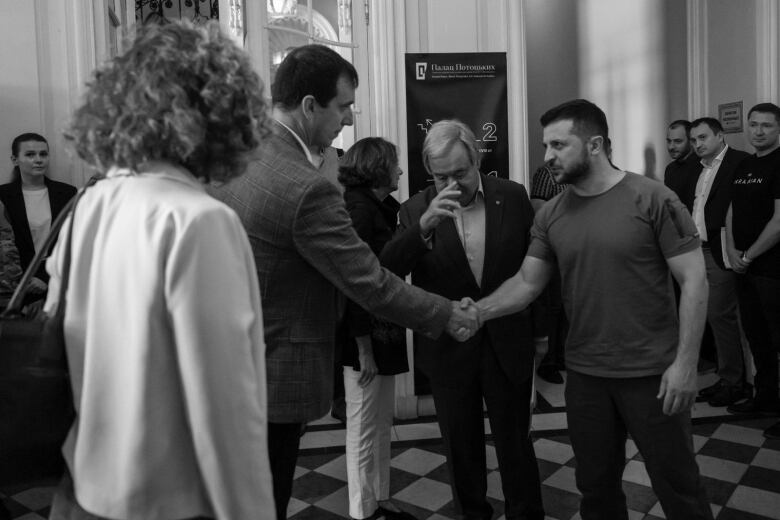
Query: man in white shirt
point(711, 192)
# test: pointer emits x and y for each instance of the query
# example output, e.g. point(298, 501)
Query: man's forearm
point(692, 315)
point(516, 293)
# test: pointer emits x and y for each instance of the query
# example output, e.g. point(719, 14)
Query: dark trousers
point(601, 411)
point(283, 441)
point(759, 308)
point(460, 417)
point(557, 324)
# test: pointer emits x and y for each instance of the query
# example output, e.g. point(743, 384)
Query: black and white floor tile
point(740, 468)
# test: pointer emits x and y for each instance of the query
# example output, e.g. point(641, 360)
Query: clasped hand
point(465, 320)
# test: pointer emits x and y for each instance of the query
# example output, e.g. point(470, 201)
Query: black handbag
point(36, 403)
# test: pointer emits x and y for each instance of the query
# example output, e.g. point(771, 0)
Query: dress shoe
point(550, 374)
point(730, 394)
point(773, 432)
point(338, 410)
point(709, 391)
point(382, 513)
point(394, 515)
point(752, 406)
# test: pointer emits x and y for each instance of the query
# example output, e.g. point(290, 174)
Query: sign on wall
point(470, 87)
point(730, 115)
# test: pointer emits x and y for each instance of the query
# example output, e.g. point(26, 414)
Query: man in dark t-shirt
point(753, 245)
point(615, 237)
point(685, 163)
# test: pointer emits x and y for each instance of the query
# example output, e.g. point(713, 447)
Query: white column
point(767, 54)
point(698, 76)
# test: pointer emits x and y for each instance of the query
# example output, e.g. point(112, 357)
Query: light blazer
point(305, 249)
point(445, 270)
point(717, 204)
point(11, 195)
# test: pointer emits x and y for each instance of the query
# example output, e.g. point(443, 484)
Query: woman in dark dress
point(375, 350)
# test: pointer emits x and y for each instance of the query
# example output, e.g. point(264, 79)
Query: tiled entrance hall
point(740, 468)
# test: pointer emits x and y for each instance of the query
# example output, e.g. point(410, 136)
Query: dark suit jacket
point(678, 176)
point(305, 249)
point(718, 202)
point(11, 196)
point(375, 222)
point(445, 270)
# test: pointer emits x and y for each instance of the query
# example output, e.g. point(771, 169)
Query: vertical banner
point(470, 87)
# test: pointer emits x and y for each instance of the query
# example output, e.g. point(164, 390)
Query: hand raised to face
point(441, 207)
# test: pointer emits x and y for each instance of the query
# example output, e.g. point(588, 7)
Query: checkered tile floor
point(740, 468)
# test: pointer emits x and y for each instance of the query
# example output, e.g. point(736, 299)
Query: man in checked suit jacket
point(306, 248)
point(708, 195)
point(462, 237)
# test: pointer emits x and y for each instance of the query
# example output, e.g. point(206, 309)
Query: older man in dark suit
point(306, 248)
point(462, 237)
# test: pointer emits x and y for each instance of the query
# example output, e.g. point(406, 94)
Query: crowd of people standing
point(207, 260)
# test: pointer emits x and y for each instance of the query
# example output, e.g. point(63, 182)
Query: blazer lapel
point(452, 249)
point(18, 212)
point(724, 171)
point(494, 215)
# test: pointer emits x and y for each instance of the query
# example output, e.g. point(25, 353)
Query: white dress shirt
point(164, 336)
point(470, 222)
point(703, 186)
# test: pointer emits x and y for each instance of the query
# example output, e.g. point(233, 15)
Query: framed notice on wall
point(468, 86)
point(730, 116)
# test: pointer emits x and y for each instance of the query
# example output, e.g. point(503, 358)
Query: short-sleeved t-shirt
point(611, 250)
point(755, 189)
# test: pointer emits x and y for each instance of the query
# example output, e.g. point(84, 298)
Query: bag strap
point(15, 305)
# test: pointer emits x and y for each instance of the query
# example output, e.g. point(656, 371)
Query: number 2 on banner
point(490, 132)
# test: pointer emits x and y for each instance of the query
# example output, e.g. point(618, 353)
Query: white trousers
point(369, 420)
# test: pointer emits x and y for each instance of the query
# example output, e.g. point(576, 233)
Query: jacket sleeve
point(357, 319)
point(324, 236)
point(212, 297)
point(402, 253)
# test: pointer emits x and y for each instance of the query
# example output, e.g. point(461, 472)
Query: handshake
point(465, 319)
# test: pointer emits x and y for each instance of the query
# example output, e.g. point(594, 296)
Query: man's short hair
point(442, 135)
point(310, 70)
point(587, 118)
point(369, 163)
point(766, 108)
point(713, 123)
point(681, 123)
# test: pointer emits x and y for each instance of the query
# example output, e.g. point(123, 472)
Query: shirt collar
point(161, 169)
point(305, 148)
point(717, 160)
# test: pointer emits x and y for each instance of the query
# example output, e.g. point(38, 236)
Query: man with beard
point(615, 237)
point(685, 163)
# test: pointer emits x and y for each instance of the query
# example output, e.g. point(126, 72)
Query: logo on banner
point(421, 68)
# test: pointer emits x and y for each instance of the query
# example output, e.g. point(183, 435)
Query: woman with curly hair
point(376, 350)
point(163, 324)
